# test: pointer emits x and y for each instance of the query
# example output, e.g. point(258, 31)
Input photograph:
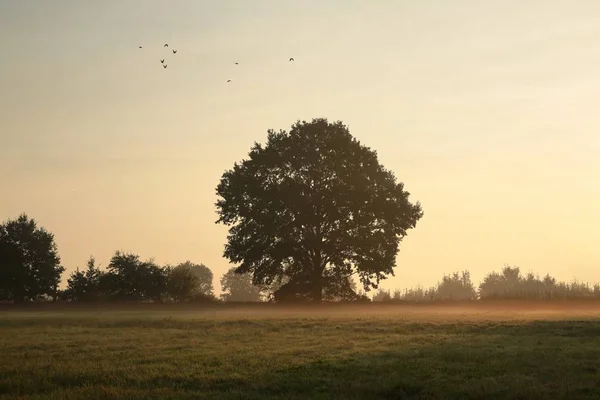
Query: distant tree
point(239, 287)
point(154, 280)
point(183, 283)
point(418, 294)
point(339, 288)
point(456, 286)
point(312, 200)
point(29, 261)
point(382, 295)
point(76, 287)
point(129, 278)
point(204, 275)
point(84, 285)
point(293, 291)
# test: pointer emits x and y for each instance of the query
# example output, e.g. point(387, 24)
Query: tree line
point(509, 283)
point(30, 270)
point(127, 278)
point(311, 214)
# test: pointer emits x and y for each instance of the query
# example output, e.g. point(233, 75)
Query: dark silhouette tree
point(84, 285)
point(311, 200)
point(129, 278)
point(29, 261)
point(239, 287)
point(205, 278)
point(182, 282)
point(339, 288)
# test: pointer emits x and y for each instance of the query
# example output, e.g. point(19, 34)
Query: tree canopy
point(239, 287)
point(129, 278)
point(204, 286)
point(314, 202)
point(182, 282)
point(84, 286)
point(29, 261)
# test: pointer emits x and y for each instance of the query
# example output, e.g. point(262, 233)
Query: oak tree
point(311, 203)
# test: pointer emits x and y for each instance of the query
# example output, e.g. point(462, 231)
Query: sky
point(487, 111)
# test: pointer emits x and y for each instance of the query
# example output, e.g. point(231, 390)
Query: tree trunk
point(317, 294)
point(317, 281)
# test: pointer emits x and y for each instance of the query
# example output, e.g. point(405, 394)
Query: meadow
point(502, 350)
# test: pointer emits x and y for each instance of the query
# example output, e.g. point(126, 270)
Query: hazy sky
point(486, 110)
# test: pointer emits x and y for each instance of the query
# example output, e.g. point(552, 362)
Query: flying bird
point(291, 58)
point(174, 51)
point(165, 66)
point(236, 63)
point(166, 45)
point(140, 47)
point(229, 80)
point(162, 61)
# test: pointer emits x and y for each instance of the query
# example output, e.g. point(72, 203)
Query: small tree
point(84, 286)
point(239, 287)
point(129, 278)
point(382, 295)
point(339, 288)
point(182, 282)
point(456, 286)
point(29, 262)
point(205, 278)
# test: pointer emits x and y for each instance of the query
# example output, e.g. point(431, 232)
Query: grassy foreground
point(347, 352)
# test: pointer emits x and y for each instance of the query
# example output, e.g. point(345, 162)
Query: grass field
point(369, 351)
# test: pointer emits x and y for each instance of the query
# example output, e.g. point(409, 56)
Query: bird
point(140, 47)
point(236, 63)
point(162, 61)
point(291, 58)
point(229, 80)
point(166, 45)
point(165, 66)
point(174, 51)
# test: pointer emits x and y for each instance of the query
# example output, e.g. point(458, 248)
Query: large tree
point(29, 261)
point(311, 203)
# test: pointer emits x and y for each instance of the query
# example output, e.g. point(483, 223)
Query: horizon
point(483, 111)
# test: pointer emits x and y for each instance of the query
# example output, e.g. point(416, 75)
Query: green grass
point(349, 352)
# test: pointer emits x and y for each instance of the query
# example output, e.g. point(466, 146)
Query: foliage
point(84, 286)
point(30, 271)
point(29, 261)
point(456, 286)
point(313, 200)
point(382, 295)
point(509, 283)
point(204, 275)
point(335, 288)
point(239, 287)
point(339, 288)
point(182, 282)
point(128, 278)
point(418, 294)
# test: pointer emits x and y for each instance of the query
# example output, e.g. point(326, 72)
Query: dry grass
point(509, 350)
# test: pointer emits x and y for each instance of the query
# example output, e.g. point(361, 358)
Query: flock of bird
point(162, 60)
